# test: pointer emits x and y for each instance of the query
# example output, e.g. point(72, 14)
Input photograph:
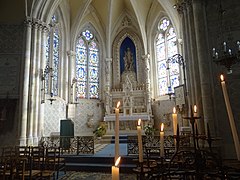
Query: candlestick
point(195, 110)
point(174, 118)
point(162, 140)
point(117, 131)
point(230, 52)
point(115, 170)
point(225, 47)
point(230, 116)
point(140, 148)
point(214, 52)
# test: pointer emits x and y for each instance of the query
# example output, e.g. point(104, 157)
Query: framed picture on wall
point(180, 95)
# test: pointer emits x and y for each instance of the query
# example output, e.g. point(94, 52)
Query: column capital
point(146, 56)
point(28, 21)
point(71, 53)
point(35, 23)
point(108, 59)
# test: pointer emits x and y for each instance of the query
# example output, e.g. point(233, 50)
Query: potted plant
point(100, 130)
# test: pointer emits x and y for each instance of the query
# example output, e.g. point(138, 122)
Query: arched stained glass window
point(166, 47)
point(52, 58)
point(87, 66)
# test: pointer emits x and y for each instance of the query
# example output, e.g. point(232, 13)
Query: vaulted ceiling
point(108, 11)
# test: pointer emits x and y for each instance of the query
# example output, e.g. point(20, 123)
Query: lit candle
point(238, 43)
point(115, 170)
point(162, 140)
point(216, 55)
point(230, 116)
point(117, 131)
point(195, 110)
point(214, 52)
point(230, 52)
point(224, 46)
point(140, 148)
point(174, 118)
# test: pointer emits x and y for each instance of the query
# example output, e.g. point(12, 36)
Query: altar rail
point(86, 144)
point(71, 145)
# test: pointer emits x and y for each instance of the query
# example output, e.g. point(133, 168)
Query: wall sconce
point(177, 58)
point(45, 74)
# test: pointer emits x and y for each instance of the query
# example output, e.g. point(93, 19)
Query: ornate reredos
point(116, 77)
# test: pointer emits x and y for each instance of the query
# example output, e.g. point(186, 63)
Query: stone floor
point(94, 176)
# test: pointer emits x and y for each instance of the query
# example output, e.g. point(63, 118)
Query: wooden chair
point(54, 163)
point(8, 163)
point(26, 166)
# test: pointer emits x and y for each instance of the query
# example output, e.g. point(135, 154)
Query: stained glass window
point(87, 66)
point(52, 58)
point(166, 47)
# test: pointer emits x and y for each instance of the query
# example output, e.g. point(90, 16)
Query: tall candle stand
point(192, 120)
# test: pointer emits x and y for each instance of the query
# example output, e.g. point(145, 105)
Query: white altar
point(135, 104)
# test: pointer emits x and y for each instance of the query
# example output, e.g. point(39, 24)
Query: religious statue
point(128, 60)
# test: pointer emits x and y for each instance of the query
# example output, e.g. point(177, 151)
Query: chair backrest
point(37, 156)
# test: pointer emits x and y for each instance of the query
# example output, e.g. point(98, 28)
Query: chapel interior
point(71, 67)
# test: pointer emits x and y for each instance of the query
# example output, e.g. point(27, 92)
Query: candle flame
point(139, 122)
point(117, 161)
point(174, 110)
point(195, 108)
point(118, 104)
point(222, 77)
point(162, 126)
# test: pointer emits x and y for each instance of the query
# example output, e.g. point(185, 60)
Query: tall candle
point(195, 110)
point(214, 52)
point(115, 170)
point(140, 148)
point(225, 47)
point(174, 118)
point(162, 140)
point(230, 116)
point(117, 131)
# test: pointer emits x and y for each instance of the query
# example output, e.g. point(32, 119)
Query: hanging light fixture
point(228, 53)
point(177, 58)
point(47, 71)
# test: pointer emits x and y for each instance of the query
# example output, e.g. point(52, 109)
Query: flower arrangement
point(149, 130)
point(100, 130)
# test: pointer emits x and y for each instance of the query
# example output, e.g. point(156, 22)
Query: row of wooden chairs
point(37, 162)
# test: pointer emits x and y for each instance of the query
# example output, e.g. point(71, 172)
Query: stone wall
point(230, 32)
point(11, 49)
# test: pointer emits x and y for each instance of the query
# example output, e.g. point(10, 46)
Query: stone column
point(45, 31)
point(32, 103)
point(203, 61)
point(188, 57)
point(195, 68)
point(188, 82)
point(108, 85)
point(72, 76)
point(25, 84)
point(37, 86)
point(146, 59)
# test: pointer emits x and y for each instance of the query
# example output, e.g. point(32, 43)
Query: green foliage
point(149, 130)
point(101, 130)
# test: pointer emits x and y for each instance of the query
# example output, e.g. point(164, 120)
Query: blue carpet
point(109, 150)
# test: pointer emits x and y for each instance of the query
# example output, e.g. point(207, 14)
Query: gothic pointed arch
point(87, 63)
point(126, 33)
